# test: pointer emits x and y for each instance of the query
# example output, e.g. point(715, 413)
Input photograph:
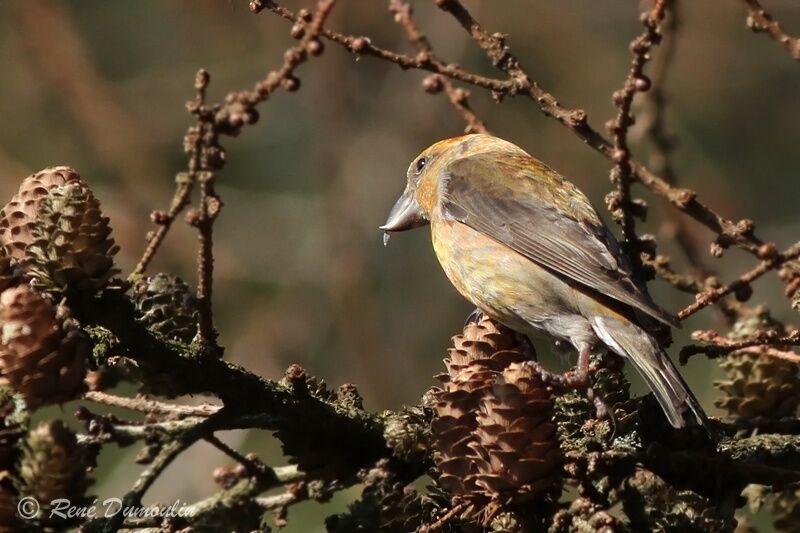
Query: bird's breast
point(503, 283)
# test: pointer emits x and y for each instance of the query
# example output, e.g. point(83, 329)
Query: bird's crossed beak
point(405, 215)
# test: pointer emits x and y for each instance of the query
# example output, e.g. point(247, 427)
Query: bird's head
point(418, 202)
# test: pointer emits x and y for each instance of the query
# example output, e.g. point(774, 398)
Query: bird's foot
point(579, 377)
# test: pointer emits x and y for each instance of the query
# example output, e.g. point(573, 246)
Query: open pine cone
point(494, 439)
point(13, 425)
point(18, 217)
point(757, 385)
point(6, 270)
point(41, 357)
point(52, 466)
point(72, 246)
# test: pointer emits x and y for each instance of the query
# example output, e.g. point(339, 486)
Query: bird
point(525, 246)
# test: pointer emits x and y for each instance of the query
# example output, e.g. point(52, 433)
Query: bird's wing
point(537, 213)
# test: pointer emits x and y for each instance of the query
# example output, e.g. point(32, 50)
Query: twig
point(518, 83)
point(624, 209)
point(125, 434)
point(238, 110)
point(168, 453)
point(144, 405)
point(441, 522)
point(205, 156)
point(356, 435)
point(164, 219)
point(706, 298)
point(279, 501)
point(403, 15)
point(690, 285)
point(761, 344)
point(775, 353)
point(654, 128)
point(759, 20)
point(273, 476)
point(622, 206)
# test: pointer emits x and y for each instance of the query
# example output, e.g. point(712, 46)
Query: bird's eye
point(421, 164)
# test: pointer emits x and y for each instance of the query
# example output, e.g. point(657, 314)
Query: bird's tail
point(637, 346)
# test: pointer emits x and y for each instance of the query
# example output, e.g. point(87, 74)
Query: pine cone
point(9, 519)
point(572, 412)
point(386, 507)
point(584, 515)
point(52, 466)
point(167, 305)
point(472, 365)
point(13, 425)
point(758, 386)
point(18, 217)
point(790, 275)
point(665, 508)
point(786, 509)
point(72, 246)
point(518, 457)
point(42, 357)
point(494, 439)
point(6, 270)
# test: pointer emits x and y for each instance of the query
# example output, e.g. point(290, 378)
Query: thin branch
point(759, 20)
point(443, 521)
point(739, 233)
point(273, 476)
point(707, 297)
point(624, 208)
point(166, 455)
point(403, 15)
point(653, 118)
point(716, 345)
point(144, 405)
point(125, 434)
point(238, 110)
point(164, 220)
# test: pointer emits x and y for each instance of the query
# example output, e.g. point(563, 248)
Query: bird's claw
point(474, 317)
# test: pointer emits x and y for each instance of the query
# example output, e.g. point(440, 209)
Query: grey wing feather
point(582, 251)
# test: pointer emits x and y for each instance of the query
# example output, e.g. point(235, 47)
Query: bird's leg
point(579, 378)
point(572, 380)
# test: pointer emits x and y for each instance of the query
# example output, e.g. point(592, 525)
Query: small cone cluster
point(52, 466)
point(72, 247)
point(167, 306)
point(786, 509)
point(53, 227)
point(6, 270)
point(41, 356)
point(494, 438)
point(386, 507)
point(18, 217)
point(584, 515)
point(13, 425)
point(757, 385)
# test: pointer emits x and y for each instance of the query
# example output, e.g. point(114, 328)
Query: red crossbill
point(525, 246)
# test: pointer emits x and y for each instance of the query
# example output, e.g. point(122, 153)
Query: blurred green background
point(301, 275)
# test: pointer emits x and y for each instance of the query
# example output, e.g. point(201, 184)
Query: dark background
point(301, 275)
